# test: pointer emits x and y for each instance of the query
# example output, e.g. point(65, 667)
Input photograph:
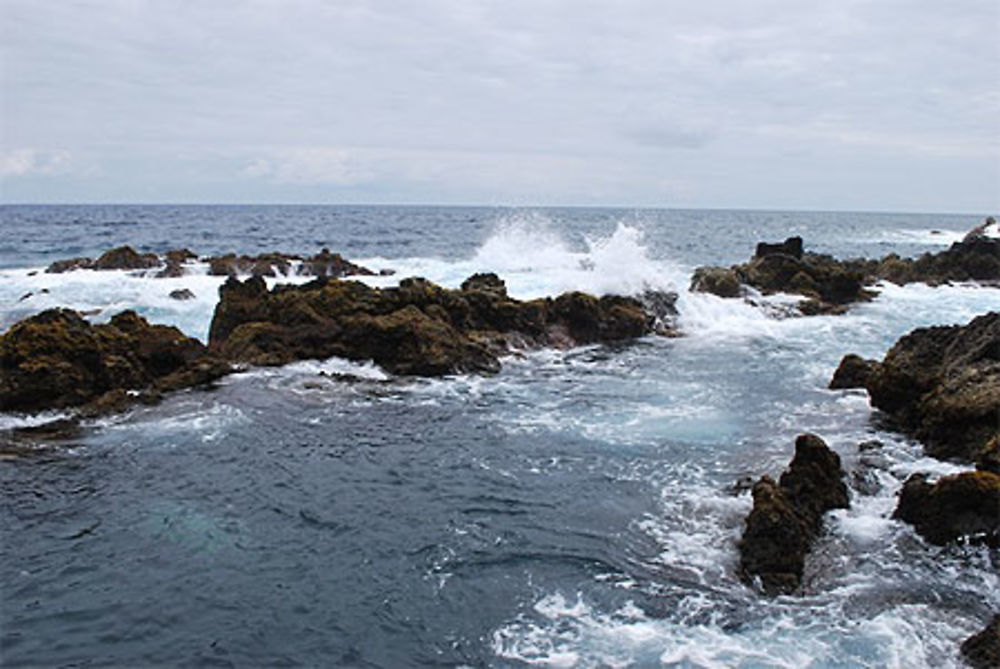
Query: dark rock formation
point(70, 264)
point(963, 505)
point(266, 264)
point(942, 385)
point(125, 257)
point(853, 372)
point(721, 281)
point(830, 284)
point(181, 294)
point(174, 263)
point(332, 266)
point(417, 328)
point(787, 516)
point(982, 650)
point(988, 458)
point(56, 359)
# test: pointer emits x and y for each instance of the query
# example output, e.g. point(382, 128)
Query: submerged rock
point(416, 328)
point(942, 385)
point(853, 372)
point(787, 516)
point(962, 505)
point(181, 294)
point(982, 650)
point(56, 359)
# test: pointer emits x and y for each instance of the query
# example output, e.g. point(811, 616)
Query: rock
point(56, 359)
point(787, 516)
point(975, 258)
point(853, 372)
point(331, 265)
point(416, 328)
point(721, 281)
point(266, 264)
point(125, 257)
point(182, 294)
point(942, 385)
point(988, 458)
point(790, 247)
point(982, 650)
point(174, 263)
point(60, 266)
point(987, 228)
point(963, 505)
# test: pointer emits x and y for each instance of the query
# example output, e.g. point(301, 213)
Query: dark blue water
point(571, 511)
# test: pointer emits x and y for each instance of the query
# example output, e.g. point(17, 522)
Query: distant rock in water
point(830, 285)
point(982, 650)
point(787, 516)
point(964, 505)
point(416, 328)
point(853, 372)
point(181, 294)
point(942, 385)
point(56, 359)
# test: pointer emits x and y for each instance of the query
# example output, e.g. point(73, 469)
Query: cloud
point(317, 165)
point(33, 162)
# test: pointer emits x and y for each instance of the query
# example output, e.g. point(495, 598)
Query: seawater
point(572, 510)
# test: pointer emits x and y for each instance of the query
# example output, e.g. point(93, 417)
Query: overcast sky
point(825, 104)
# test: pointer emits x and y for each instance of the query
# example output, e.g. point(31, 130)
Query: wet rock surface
point(965, 505)
point(982, 650)
point(830, 285)
point(57, 359)
point(853, 372)
point(942, 385)
point(417, 328)
point(787, 516)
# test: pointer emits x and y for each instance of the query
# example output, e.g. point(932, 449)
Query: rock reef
point(787, 516)
point(830, 285)
point(417, 328)
point(982, 650)
point(56, 360)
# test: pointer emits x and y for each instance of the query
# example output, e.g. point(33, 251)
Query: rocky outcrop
point(827, 283)
point(787, 516)
point(942, 385)
point(853, 372)
point(830, 284)
point(982, 650)
point(173, 263)
point(417, 328)
point(965, 505)
point(56, 360)
point(122, 257)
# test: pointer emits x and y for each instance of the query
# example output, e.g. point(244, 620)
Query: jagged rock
point(266, 264)
point(942, 385)
point(830, 284)
point(174, 263)
point(962, 505)
point(125, 257)
point(982, 650)
point(790, 247)
point(68, 265)
point(181, 294)
point(853, 372)
point(56, 359)
point(415, 328)
point(787, 516)
point(721, 281)
point(332, 266)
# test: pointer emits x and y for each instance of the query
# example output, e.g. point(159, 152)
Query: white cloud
point(30, 162)
point(316, 165)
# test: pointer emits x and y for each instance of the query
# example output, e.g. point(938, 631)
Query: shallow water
point(573, 510)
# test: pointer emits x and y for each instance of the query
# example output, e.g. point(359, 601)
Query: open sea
point(575, 509)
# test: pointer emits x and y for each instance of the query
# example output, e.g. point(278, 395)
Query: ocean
point(576, 509)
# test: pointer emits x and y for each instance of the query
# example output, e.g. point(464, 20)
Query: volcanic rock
point(853, 372)
point(982, 650)
point(125, 257)
point(56, 359)
point(962, 505)
point(787, 516)
point(942, 385)
point(181, 294)
point(416, 328)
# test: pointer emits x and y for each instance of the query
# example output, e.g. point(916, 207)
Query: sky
point(874, 105)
